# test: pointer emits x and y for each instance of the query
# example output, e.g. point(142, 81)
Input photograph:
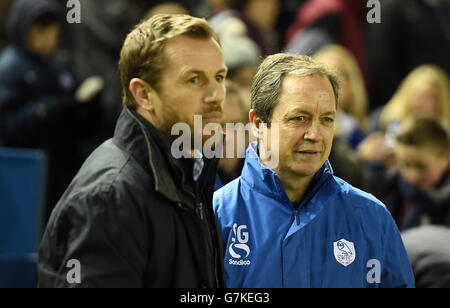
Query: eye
point(300, 118)
point(194, 80)
point(220, 78)
point(328, 120)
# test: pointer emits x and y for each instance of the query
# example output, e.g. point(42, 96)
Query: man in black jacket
point(134, 215)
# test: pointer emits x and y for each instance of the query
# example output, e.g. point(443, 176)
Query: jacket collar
point(152, 150)
point(266, 181)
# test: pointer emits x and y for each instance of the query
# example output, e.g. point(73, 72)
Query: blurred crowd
point(60, 91)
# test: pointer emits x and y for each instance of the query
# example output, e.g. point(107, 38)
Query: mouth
point(308, 153)
point(213, 117)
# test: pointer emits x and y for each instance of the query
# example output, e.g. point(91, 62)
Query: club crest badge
point(344, 252)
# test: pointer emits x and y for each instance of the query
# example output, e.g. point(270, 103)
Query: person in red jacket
point(319, 23)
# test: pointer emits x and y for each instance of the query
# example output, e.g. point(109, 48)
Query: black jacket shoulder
point(124, 228)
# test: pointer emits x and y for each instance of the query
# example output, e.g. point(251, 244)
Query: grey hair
point(266, 87)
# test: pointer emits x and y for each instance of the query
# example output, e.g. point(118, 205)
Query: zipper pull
point(181, 206)
point(297, 219)
point(200, 210)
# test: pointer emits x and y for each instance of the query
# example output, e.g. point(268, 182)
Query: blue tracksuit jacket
point(339, 236)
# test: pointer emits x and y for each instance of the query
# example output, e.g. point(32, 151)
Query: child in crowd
point(417, 191)
point(425, 91)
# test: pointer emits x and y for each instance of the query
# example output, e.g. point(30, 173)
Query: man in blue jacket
point(288, 221)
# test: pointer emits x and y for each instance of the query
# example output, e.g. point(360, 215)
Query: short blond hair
point(142, 55)
point(419, 131)
point(266, 87)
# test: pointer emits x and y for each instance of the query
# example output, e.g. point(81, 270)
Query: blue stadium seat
point(22, 193)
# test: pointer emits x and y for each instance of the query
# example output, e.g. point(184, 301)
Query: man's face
point(193, 83)
point(305, 117)
point(419, 166)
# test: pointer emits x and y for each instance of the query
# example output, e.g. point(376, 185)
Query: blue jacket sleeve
point(397, 271)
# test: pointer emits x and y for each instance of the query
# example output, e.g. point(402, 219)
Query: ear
point(256, 123)
point(141, 92)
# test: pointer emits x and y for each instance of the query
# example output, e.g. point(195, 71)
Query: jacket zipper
point(213, 240)
point(297, 219)
point(200, 210)
point(181, 206)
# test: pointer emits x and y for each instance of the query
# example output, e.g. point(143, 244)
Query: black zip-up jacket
point(134, 217)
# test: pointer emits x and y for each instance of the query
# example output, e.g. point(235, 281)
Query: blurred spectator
point(199, 8)
point(418, 190)
point(253, 18)
point(95, 43)
point(352, 112)
point(208, 8)
point(346, 164)
point(242, 57)
point(43, 104)
point(376, 151)
point(411, 33)
point(319, 23)
point(4, 10)
point(288, 11)
point(351, 117)
point(425, 91)
point(167, 8)
point(235, 111)
point(428, 250)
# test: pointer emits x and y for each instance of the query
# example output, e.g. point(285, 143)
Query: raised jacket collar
point(172, 177)
point(266, 181)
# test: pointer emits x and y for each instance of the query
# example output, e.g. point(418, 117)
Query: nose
point(215, 93)
point(313, 131)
